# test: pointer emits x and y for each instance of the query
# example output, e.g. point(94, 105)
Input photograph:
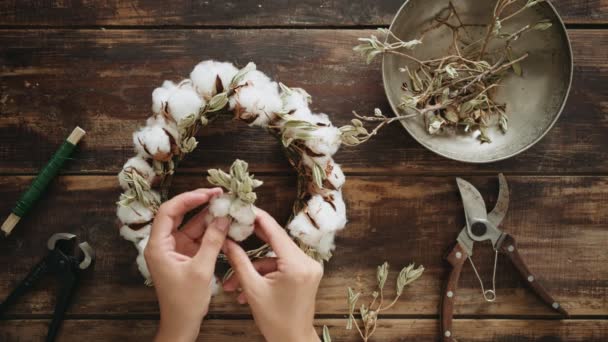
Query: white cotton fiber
point(135, 235)
point(204, 77)
point(220, 206)
point(326, 244)
point(242, 212)
point(239, 231)
point(141, 261)
point(336, 177)
point(215, 286)
point(160, 96)
point(184, 102)
point(329, 213)
point(139, 165)
point(295, 100)
point(324, 140)
point(257, 105)
point(256, 78)
point(153, 142)
point(134, 213)
point(302, 228)
point(321, 119)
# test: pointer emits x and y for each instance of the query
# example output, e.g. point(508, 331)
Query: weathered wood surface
point(559, 222)
point(411, 330)
point(308, 13)
point(52, 80)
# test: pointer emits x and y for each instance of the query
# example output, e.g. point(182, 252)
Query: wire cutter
point(66, 262)
point(482, 226)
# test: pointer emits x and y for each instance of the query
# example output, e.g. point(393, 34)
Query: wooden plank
point(102, 80)
point(388, 330)
point(560, 223)
point(308, 13)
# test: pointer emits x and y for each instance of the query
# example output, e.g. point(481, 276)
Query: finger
point(211, 244)
point(275, 235)
point(171, 213)
point(195, 227)
point(263, 266)
point(242, 298)
point(242, 266)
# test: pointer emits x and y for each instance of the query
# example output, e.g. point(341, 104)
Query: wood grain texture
point(559, 222)
point(52, 80)
point(414, 330)
point(307, 13)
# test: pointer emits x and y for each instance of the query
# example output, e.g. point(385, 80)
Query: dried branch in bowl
point(456, 91)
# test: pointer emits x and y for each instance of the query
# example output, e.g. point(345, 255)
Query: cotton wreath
point(309, 141)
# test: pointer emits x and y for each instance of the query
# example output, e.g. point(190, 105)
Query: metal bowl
point(534, 101)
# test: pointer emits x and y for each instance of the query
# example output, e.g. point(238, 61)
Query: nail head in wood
point(450, 294)
point(511, 248)
point(448, 333)
point(530, 278)
point(458, 255)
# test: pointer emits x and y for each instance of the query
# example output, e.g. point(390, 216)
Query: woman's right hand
point(281, 291)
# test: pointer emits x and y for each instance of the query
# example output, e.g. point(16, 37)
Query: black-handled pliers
point(66, 262)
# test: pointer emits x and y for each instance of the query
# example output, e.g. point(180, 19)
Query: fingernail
point(240, 300)
point(222, 223)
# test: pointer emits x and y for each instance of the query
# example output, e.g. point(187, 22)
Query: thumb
point(242, 266)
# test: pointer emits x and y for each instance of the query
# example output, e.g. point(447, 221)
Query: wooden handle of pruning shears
point(456, 257)
point(509, 247)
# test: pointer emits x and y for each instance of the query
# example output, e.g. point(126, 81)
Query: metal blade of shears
point(502, 203)
point(478, 228)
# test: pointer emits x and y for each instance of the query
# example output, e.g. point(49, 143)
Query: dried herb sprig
point(368, 315)
point(456, 91)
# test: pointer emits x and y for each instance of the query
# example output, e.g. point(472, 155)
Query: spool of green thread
point(39, 185)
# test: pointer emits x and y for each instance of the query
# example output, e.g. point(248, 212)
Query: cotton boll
point(303, 114)
point(242, 212)
point(135, 235)
point(142, 266)
point(169, 126)
point(205, 75)
point(302, 228)
point(184, 102)
point(256, 105)
point(256, 78)
point(321, 119)
point(326, 244)
point(139, 165)
point(297, 99)
point(215, 286)
point(327, 212)
point(161, 95)
point(324, 140)
point(220, 206)
point(239, 231)
point(336, 177)
point(134, 213)
point(153, 142)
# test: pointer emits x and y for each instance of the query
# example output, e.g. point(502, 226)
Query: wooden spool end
point(10, 223)
point(76, 135)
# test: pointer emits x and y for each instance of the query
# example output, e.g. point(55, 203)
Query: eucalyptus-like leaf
point(326, 337)
point(381, 275)
point(542, 25)
point(516, 66)
point(241, 74)
point(218, 102)
point(318, 175)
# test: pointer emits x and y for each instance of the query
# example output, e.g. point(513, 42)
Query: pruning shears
point(482, 226)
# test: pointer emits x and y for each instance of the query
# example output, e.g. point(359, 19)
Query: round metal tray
point(534, 101)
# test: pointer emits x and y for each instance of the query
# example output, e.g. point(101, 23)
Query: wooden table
point(94, 64)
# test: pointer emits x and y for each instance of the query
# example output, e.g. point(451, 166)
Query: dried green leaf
point(382, 274)
point(241, 74)
point(516, 66)
point(542, 25)
point(218, 102)
point(318, 175)
point(326, 337)
point(503, 122)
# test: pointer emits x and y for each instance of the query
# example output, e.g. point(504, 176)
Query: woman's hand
point(182, 263)
point(281, 291)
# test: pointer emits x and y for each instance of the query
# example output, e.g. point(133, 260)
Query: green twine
point(43, 179)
